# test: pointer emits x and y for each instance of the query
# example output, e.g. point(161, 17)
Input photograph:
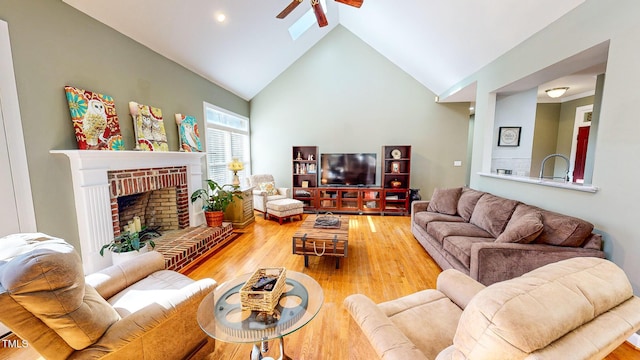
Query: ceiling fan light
point(556, 92)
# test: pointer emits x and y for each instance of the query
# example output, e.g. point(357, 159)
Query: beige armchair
point(136, 310)
point(581, 308)
point(264, 190)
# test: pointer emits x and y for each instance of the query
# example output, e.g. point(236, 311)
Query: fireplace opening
point(157, 210)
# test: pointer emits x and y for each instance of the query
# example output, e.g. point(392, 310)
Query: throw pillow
point(445, 201)
point(269, 187)
point(522, 230)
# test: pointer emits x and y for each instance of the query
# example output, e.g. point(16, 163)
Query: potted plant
point(215, 200)
point(126, 246)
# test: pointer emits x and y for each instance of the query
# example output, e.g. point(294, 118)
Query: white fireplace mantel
point(89, 169)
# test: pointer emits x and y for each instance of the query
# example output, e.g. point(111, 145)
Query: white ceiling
point(438, 42)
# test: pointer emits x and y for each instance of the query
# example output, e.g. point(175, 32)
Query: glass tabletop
point(220, 314)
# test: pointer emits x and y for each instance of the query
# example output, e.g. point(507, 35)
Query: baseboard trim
point(634, 340)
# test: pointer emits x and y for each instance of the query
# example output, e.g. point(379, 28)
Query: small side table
point(240, 211)
point(220, 314)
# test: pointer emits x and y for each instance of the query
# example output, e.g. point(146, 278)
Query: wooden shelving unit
point(305, 175)
point(396, 175)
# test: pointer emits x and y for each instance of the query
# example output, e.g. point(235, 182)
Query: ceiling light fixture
point(556, 92)
point(221, 17)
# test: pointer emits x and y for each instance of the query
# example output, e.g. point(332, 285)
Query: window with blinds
point(227, 138)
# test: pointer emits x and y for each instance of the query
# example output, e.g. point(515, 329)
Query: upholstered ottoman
point(284, 209)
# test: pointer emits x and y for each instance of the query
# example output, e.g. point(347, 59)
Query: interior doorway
point(580, 142)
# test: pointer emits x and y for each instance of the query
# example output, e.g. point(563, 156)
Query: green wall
point(343, 96)
point(545, 136)
point(54, 45)
point(614, 208)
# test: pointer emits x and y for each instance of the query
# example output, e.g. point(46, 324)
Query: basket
point(327, 221)
point(263, 300)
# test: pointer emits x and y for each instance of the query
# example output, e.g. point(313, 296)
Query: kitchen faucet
point(566, 177)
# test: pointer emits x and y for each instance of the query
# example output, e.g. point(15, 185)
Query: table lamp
point(236, 165)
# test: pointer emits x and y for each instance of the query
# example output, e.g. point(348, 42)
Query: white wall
point(515, 110)
point(343, 96)
point(615, 208)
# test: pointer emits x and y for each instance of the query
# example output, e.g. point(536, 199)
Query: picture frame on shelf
point(509, 136)
point(395, 167)
point(305, 183)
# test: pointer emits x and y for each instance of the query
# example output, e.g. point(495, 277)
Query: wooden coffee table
point(312, 241)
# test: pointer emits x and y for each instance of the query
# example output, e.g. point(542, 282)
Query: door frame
point(14, 137)
point(577, 124)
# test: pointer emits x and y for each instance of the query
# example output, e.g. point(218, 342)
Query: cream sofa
point(491, 238)
point(135, 310)
point(580, 308)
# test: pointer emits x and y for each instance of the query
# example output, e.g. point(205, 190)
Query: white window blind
point(227, 138)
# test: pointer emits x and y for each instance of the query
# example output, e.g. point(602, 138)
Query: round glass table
point(220, 314)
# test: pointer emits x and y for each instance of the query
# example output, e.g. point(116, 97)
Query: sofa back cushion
point(445, 201)
point(513, 318)
point(563, 230)
point(467, 202)
point(492, 213)
point(48, 281)
point(524, 226)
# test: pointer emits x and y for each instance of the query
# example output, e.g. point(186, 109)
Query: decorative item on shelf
point(395, 183)
point(188, 133)
point(305, 183)
point(215, 200)
point(396, 154)
point(299, 157)
point(236, 165)
point(263, 289)
point(310, 157)
point(504, 171)
point(127, 245)
point(95, 121)
point(311, 169)
point(395, 167)
point(414, 195)
point(149, 127)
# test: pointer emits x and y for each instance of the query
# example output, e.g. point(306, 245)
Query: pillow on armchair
point(269, 188)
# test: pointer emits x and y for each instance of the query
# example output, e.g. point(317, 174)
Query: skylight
point(305, 22)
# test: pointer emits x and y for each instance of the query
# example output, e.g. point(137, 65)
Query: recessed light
point(221, 17)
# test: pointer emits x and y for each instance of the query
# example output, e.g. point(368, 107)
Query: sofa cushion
point(492, 213)
point(269, 187)
point(467, 202)
point(440, 230)
point(524, 227)
point(445, 201)
point(423, 218)
point(49, 282)
point(460, 247)
point(563, 230)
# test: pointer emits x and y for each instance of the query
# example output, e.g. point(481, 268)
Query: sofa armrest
point(492, 262)
point(284, 191)
point(458, 287)
point(385, 338)
point(259, 192)
point(417, 206)
point(112, 280)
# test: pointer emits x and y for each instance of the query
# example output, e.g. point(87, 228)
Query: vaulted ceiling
point(438, 42)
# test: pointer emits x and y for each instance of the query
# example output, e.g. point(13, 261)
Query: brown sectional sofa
point(492, 239)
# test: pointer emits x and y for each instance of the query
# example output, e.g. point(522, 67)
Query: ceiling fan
point(317, 9)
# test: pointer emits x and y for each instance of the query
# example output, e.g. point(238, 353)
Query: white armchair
point(265, 190)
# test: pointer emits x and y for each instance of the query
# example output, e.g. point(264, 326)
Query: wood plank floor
point(384, 262)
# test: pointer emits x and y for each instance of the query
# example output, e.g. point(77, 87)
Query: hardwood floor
point(384, 262)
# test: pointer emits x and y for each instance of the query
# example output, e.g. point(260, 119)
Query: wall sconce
point(556, 92)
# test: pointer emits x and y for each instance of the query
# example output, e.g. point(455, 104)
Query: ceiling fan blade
point(289, 9)
point(355, 3)
point(317, 9)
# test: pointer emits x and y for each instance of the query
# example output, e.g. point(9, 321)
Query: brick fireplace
point(100, 177)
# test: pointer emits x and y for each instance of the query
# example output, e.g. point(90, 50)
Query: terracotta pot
point(214, 218)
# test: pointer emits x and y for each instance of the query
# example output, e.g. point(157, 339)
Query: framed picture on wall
point(509, 136)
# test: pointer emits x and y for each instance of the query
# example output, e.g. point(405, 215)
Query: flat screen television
point(348, 169)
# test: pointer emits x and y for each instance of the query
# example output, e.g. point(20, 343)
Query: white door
point(16, 213)
point(9, 222)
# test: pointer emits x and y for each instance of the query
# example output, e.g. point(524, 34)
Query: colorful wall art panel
point(95, 121)
point(188, 132)
point(149, 127)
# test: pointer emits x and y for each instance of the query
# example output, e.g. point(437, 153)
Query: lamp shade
point(556, 92)
point(236, 165)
